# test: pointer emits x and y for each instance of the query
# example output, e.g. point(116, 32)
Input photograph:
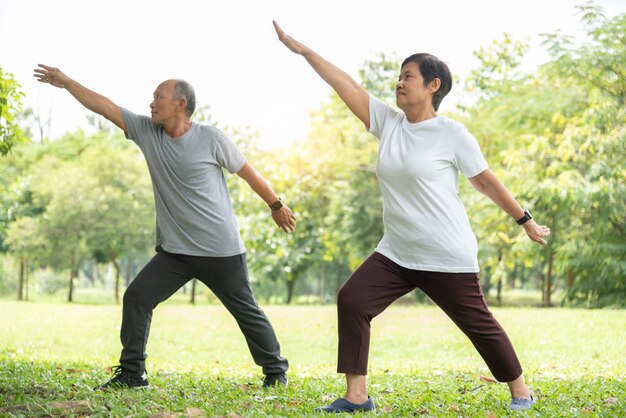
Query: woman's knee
point(350, 302)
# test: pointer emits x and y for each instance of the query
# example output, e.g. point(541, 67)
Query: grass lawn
point(52, 354)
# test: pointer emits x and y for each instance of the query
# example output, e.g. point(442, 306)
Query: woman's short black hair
point(432, 67)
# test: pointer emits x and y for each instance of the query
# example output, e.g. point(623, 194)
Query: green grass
point(52, 354)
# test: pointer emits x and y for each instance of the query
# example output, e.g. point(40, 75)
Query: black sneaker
point(124, 378)
point(275, 379)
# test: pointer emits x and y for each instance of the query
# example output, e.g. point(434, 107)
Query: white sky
point(229, 51)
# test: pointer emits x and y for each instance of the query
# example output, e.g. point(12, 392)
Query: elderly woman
point(428, 242)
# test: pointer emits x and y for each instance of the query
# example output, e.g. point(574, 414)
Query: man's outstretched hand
point(285, 219)
point(51, 75)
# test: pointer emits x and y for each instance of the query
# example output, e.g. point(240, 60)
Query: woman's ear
point(434, 85)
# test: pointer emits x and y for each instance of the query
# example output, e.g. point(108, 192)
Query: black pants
point(379, 281)
point(227, 277)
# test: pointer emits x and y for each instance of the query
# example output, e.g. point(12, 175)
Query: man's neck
point(177, 128)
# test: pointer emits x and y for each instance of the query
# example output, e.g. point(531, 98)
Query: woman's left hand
point(536, 232)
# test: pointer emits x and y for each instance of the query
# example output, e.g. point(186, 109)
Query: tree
point(10, 107)
point(542, 134)
point(69, 215)
point(332, 188)
point(26, 241)
point(595, 149)
point(123, 196)
point(93, 200)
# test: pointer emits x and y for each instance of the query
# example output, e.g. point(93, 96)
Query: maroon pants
point(379, 281)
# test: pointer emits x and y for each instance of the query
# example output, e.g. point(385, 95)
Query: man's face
point(164, 105)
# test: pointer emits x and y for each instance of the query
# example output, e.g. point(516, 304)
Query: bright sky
point(229, 51)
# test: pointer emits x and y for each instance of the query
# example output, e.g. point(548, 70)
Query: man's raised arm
point(88, 98)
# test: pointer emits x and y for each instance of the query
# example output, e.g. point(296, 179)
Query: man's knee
point(134, 296)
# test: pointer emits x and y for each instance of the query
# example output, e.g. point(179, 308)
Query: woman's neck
point(419, 115)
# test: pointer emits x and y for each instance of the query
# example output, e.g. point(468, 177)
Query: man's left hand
point(285, 219)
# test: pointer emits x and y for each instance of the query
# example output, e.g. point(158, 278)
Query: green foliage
point(86, 198)
point(556, 139)
point(10, 106)
point(599, 63)
point(50, 362)
point(499, 67)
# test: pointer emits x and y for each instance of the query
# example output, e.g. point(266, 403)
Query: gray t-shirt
point(193, 207)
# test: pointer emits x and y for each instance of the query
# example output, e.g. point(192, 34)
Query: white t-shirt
point(426, 225)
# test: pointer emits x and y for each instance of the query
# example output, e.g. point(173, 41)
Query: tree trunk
point(570, 279)
point(290, 286)
point(338, 280)
point(517, 272)
point(25, 281)
point(129, 267)
point(499, 283)
point(193, 291)
point(322, 282)
point(547, 289)
point(547, 285)
point(70, 293)
point(20, 282)
point(118, 274)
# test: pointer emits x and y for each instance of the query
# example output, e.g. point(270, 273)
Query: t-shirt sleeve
point(468, 156)
point(380, 114)
point(227, 154)
point(136, 126)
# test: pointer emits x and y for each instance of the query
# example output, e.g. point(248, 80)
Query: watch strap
point(527, 217)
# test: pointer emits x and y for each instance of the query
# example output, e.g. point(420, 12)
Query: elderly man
point(196, 229)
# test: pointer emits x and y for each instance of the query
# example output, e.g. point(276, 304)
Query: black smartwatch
point(276, 205)
point(527, 217)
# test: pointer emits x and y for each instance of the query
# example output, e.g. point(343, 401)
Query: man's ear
point(183, 104)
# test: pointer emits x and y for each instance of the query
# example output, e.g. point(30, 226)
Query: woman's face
point(410, 89)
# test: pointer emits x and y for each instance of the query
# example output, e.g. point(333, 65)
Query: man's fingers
point(289, 225)
point(44, 74)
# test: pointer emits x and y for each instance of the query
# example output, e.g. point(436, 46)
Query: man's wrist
point(527, 217)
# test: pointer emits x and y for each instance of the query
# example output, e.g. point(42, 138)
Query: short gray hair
point(185, 90)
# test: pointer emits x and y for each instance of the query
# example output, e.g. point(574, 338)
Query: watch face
point(277, 205)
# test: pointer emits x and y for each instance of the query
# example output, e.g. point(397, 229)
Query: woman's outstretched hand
point(289, 42)
point(536, 232)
